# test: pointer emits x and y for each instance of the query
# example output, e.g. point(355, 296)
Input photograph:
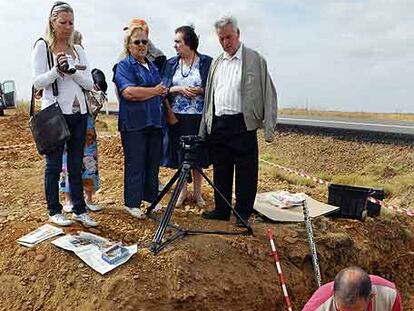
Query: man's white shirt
point(227, 84)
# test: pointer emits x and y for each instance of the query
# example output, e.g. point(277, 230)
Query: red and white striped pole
point(279, 270)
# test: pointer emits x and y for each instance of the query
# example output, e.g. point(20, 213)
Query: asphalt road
point(380, 126)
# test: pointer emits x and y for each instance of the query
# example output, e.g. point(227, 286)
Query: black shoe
point(240, 224)
point(215, 215)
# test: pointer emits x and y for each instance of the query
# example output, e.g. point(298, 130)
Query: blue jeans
point(142, 153)
point(77, 127)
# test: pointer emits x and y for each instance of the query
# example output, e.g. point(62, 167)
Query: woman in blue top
point(139, 85)
point(186, 76)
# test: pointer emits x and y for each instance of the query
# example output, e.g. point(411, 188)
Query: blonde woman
point(140, 92)
point(59, 36)
point(90, 171)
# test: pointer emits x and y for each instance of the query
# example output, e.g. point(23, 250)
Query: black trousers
point(77, 127)
point(233, 148)
point(142, 153)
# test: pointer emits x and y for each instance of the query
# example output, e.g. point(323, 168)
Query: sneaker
point(93, 207)
point(85, 219)
point(67, 208)
point(60, 220)
point(135, 212)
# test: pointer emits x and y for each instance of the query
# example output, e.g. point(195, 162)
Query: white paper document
point(284, 199)
point(89, 248)
point(42, 233)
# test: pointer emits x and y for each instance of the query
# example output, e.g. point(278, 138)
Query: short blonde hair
point(128, 36)
point(57, 8)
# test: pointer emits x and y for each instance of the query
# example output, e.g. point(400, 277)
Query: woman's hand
point(62, 62)
point(160, 89)
point(186, 91)
point(197, 90)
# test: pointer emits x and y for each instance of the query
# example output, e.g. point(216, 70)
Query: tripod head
point(190, 144)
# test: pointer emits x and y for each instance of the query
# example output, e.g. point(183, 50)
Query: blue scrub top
point(137, 115)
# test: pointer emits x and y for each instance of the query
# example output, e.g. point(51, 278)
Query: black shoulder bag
point(48, 126)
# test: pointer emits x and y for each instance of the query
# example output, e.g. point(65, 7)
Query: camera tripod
point(182, 175)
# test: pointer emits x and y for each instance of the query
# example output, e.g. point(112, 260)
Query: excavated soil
point(203, 272)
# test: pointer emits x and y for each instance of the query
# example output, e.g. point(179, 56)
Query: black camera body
point(190, 143)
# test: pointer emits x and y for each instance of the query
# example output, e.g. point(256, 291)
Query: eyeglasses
point(138, 42)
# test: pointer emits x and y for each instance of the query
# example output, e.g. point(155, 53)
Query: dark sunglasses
point(138, 42)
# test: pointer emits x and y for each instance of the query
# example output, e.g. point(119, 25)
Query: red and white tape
point(279, 270)
point(321, 181)
point(305, 175)
point(393, 207)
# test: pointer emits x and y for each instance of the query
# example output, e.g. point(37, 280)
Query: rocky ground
point(204, 272)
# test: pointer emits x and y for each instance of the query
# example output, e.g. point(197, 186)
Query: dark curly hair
point(189, 36)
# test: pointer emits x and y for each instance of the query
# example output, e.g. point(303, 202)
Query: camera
point(190, 143)
point(69, 65)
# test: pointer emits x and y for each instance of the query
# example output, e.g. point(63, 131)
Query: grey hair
point(352, 283)
point(226, 20)
point(57, 8)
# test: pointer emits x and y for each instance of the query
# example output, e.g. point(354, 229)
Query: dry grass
point(347, 115)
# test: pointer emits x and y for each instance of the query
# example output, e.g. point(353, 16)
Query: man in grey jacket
point(239, 98)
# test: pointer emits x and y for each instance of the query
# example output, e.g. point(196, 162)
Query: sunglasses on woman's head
point(59, 4)
point(138, 42)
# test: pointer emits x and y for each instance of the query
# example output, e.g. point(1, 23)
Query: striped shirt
point(227, 82)
point(386, 297)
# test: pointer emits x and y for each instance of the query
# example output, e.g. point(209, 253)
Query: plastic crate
point(352, 201)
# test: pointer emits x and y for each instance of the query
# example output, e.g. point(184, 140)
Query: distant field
point(315, 113)
point(350, 115)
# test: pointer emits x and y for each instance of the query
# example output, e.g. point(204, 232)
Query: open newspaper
point(284, 199)
point(90, 248)
point(42, 233)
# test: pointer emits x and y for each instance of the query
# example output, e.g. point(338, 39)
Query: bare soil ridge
point(203, 272)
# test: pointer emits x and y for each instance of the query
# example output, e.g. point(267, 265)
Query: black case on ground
point(353, 202)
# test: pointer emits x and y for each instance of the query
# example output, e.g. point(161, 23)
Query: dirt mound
point(204, 272)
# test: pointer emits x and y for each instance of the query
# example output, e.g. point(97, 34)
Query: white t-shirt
point(69, 86)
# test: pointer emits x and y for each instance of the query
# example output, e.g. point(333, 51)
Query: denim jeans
point(142, 152)
point(77, 127)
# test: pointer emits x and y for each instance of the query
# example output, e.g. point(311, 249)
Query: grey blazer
point(258, 93)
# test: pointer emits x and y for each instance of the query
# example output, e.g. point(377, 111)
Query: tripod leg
point(164, 191)
point(157, 240)
point(227, 202)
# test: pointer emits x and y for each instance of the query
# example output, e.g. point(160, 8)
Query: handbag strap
point(54, 84)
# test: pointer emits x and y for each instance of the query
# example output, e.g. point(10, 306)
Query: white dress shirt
point(69, 86)
point(227, 81)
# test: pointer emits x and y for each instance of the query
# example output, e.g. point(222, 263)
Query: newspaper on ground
point(90, 248)
point(284, 199)
point(42, 233)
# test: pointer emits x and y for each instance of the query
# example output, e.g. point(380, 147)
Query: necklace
point(189, 70)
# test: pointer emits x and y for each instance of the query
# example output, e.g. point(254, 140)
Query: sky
point(344, 55)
